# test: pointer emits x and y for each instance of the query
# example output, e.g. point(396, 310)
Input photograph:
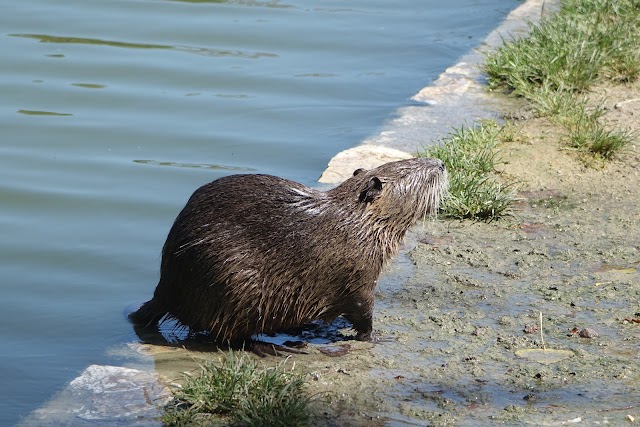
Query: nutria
point(253, 254)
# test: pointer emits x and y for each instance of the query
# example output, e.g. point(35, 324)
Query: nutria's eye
point(371, 191)
point(358, 171)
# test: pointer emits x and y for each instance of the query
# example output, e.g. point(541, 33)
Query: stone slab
point(104, 396)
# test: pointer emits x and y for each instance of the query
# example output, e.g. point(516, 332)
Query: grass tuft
point(240, 392)
point(587, 41)
point(602, 142)
point(471, 156)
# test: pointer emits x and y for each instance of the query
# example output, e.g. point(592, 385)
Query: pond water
point(113, 111)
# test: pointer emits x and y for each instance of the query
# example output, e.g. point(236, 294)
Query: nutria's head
point(394, 196)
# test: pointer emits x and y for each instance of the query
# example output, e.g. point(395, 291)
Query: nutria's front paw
point(363, 336)
point(368, 336)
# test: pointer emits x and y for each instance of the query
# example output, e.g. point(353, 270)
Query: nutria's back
point(255, 254)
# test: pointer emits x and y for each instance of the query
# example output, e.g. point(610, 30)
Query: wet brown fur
point(252, 254)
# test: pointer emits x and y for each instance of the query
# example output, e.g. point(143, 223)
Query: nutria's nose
point(442, 166)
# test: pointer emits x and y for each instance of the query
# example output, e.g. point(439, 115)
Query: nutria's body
point(252, 254)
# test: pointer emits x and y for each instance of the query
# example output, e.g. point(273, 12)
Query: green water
point(113, 112)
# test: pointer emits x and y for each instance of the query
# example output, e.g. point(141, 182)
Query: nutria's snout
point(252, 254)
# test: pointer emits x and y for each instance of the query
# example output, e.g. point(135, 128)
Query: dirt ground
point(458, 312)
point(475, 293)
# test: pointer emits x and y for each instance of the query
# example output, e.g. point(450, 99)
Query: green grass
point(236, 391)
point(471, 156)
point(586, 42)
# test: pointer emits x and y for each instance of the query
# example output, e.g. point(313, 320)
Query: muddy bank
point(451, 332)
point(456, 309)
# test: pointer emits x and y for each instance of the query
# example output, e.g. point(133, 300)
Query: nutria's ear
point(359, 170)
point(371, 191)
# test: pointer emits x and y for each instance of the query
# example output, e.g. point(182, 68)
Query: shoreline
point(459, 92)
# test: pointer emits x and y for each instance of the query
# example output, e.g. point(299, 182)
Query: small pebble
point(588, 333)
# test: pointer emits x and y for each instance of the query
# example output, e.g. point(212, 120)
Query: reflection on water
point(252, 3)
point(196, 165)
point(222, 52)
point(42, 113)
point(189, 49)
point(81, 40)
point(89, 85)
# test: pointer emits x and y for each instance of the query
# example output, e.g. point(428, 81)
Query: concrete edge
point(457, 97)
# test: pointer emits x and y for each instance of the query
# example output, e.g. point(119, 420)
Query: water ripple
point(252, 3)
point(223, 52)
point(89, 85)
point(43, 38)
point(194, 165)
point(42, 113)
